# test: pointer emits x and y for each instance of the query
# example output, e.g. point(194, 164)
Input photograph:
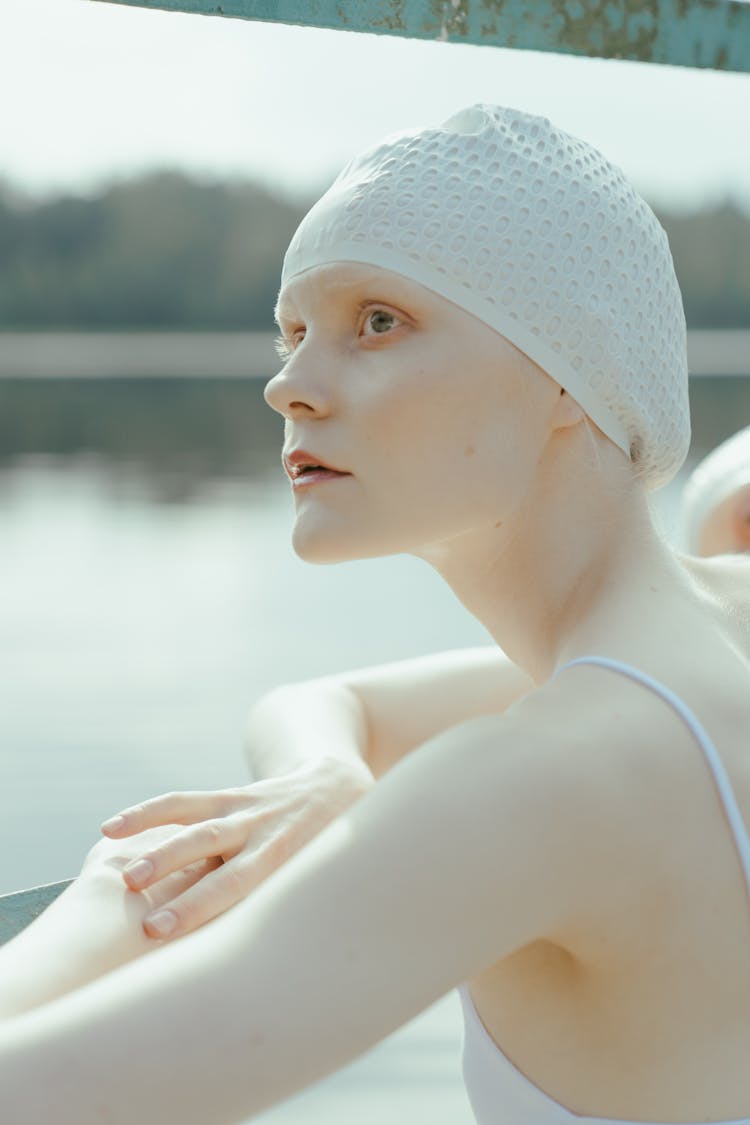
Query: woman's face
point(436, 419)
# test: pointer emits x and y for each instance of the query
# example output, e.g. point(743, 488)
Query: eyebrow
point(371, 297)
point(277, 311)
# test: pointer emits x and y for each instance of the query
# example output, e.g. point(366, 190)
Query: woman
point(485, 368)
point(716, 499)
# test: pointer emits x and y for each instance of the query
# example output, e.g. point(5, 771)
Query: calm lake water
point(134, 634)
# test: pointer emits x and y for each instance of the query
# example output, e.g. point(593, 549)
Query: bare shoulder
point(603, 773)
point(540, 809)
point(645, 803)
point(724, 578)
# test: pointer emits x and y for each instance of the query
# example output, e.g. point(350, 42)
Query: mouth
point(302, 467)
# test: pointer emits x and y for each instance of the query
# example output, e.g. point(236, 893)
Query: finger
point(171, 808)
point(219, 891)
point(176, 884)
point(210, 897)
point(213, 838)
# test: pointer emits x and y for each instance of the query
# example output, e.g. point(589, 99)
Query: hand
point(107, 859)
point(252, 830)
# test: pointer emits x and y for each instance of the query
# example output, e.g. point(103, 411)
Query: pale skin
point(556, 842)
point(726, 529)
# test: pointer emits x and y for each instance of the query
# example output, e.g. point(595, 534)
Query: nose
point(296, 392)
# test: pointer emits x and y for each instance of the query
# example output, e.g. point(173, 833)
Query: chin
point(318, 555)
point(323, 546)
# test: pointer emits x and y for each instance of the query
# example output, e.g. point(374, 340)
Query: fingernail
point(113, 823)
point(139, 870)
point(164, 921)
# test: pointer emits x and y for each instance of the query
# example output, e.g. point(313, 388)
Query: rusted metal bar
point(696, 33)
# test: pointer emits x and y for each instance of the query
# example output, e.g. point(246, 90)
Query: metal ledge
point(20, 909)
point(712, 34)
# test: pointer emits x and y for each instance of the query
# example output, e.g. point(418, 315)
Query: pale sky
point(93, 91)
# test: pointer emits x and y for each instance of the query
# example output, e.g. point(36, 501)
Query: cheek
point(438, 448)
point(741, 525)
point(449, 418)
point(428, 430)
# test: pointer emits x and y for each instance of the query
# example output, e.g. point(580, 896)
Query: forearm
point(300, 724)
point(238, 1016)
point(92, 928)
point(213, 1028)
point(379, 715)
point(358, 933)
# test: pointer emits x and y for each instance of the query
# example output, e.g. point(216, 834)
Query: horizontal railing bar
point(696, 33)
point(123, 355)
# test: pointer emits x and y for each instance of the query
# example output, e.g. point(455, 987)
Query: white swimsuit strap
point(711, 754)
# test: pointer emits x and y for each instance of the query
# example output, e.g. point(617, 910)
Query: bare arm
point(378, 715)
point(314, 749)
point(476, 845)
point(94, 926)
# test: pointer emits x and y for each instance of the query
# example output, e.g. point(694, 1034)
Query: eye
point(378, 322)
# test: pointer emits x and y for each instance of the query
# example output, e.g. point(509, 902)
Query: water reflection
point(173, 435)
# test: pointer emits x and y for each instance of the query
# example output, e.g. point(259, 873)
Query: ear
point(567, 412)
point(741, 519)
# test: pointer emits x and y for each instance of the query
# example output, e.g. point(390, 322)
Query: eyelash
point(285, 347)
point(282, 348)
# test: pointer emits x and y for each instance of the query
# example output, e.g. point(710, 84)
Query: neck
point(568, 573)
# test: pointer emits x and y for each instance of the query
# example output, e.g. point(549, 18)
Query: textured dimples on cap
point(538, 235)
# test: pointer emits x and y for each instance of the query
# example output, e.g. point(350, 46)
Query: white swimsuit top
point(499, 1093)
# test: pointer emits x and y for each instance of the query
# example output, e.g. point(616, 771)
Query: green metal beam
point(697, 33)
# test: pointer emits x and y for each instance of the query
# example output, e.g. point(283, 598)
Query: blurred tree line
point(167, 251)
point(161, 251)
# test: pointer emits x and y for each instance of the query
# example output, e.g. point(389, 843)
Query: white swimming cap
point(535, 233)
point(725, 470)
